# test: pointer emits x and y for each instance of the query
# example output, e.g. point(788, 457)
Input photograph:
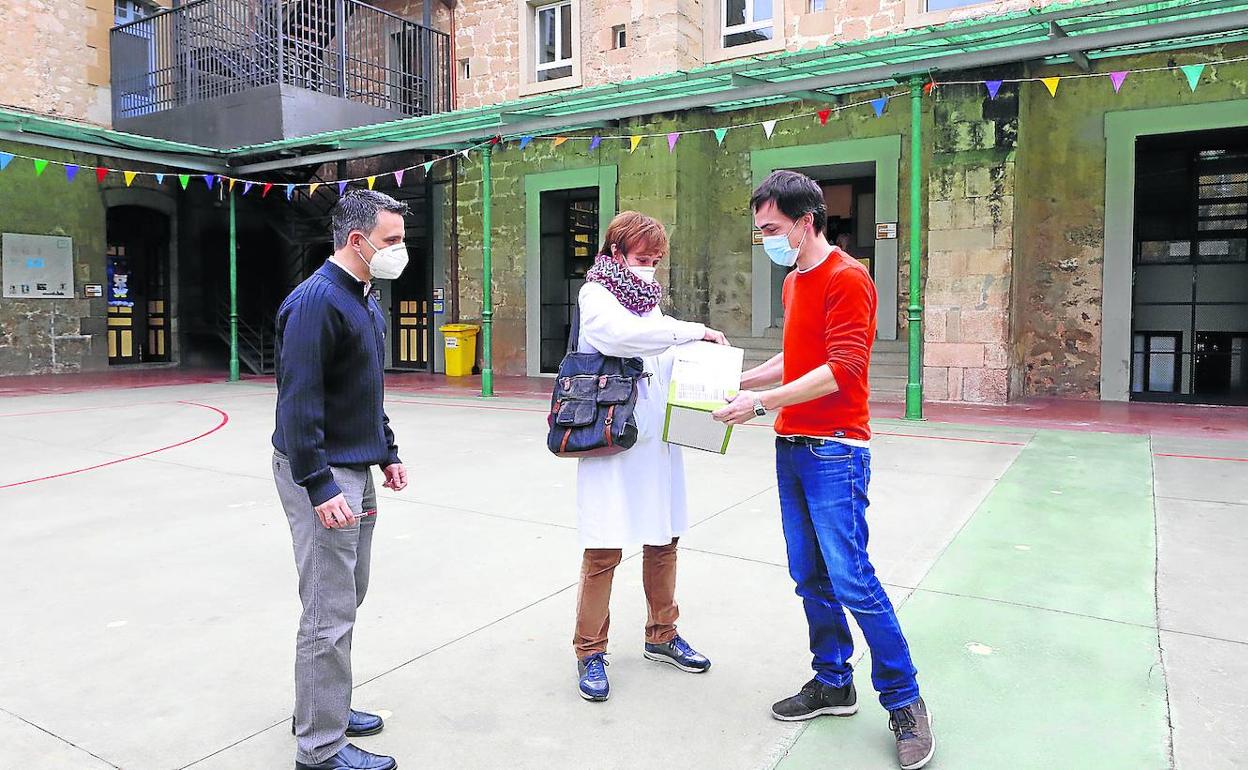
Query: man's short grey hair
point(357, 210)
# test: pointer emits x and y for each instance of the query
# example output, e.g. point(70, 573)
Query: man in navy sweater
point(331, 430)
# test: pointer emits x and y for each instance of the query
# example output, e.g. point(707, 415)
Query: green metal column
point(487, 286)
point(914, 314)
point(233, 293)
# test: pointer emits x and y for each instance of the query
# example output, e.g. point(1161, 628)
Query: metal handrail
point(205, 49)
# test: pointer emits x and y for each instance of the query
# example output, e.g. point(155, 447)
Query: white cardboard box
point(704, 377)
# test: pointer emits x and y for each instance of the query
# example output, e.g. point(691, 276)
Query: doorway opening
point(1189, 324)
point(569, 241)
point(137, 273)
point(849, 195)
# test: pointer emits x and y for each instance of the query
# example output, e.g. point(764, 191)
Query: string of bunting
point(1192, 72)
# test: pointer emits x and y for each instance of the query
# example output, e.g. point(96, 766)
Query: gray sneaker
point(912, 725)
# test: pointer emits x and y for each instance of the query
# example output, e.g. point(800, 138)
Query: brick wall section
point(663, 36)
point(970, 247)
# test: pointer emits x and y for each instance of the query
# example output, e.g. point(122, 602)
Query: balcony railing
point(210, 48)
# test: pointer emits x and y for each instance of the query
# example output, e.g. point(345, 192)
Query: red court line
point(1202, 457)
point(225, 418)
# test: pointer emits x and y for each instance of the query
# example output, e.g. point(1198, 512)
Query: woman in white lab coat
point(636, 497)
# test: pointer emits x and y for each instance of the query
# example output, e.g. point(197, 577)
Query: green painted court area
point(1072, 599)
point(1035, 632)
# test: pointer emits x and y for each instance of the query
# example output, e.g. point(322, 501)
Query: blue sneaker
point(678, 653)
point(593, 677)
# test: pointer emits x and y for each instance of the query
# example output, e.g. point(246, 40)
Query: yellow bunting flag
point(312, 188)
point(560, 140)
point(371, 180)
point(129, 175)
point(1051, 84)
point(634, 141)
point(231, 187)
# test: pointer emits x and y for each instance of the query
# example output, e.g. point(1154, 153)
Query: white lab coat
point(636, 497)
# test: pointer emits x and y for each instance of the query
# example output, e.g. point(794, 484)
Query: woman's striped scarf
point(640, 297)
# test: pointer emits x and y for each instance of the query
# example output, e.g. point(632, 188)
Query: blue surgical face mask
point(779, 250)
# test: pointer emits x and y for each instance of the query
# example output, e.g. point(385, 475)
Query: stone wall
point(970, 246)
point(63, 335)
point(55, 58)
point(1059, 258)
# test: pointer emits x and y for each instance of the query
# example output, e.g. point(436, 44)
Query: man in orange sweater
point(823, 464)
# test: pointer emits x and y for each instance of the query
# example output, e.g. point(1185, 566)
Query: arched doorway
point(138, 286)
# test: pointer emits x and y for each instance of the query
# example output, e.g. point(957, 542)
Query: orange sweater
point(829, 320)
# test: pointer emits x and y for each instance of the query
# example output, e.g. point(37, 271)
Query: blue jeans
point(823, 506)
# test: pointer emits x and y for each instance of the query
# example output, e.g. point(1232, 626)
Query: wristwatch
point(759, 409)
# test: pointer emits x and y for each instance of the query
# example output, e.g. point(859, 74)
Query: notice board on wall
point(37, 266)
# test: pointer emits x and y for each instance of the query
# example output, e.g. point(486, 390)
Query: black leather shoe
point(359, 724)
point(352, 758)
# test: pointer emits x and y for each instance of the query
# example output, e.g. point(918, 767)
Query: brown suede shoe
point(912, 725)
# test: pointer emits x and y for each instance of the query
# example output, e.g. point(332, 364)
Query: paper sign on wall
point(38, 266)
point(886, 231)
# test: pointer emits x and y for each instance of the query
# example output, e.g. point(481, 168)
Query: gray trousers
point(333, 578)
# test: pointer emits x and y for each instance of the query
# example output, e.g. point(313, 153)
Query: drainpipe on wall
point(233, 293)
point(914, 379)
point(487, 285)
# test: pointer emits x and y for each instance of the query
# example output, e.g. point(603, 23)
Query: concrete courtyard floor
point(1072, 598)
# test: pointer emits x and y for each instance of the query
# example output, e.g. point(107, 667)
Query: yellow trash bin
point(461, 348)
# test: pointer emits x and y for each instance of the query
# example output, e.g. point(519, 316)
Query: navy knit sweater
point(330, 359)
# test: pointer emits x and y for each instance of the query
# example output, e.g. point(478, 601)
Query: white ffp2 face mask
point(388, 263)
point(644, 273)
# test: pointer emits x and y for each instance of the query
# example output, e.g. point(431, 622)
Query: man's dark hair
point(357, 210)
point(794, 194)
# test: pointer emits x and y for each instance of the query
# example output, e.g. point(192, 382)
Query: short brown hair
point(633, 232)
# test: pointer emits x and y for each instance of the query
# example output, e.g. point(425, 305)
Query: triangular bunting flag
point(5, 160)
point(232, 184)
point(372, 180)
point(185, 179)
point(129, 175)
point(672, 139)
point(633, 142)
point(40, 166)
point(1193, 72)
point(879, 105)
point(720, 133)
point(1117, 79)
point(290, 191)
point(1051, 84)
point(210, 180)
point(71, 171)
point(398, 177)
point(342, 188)
point(559, 140)
point(928, 87)
point(768, 127)
point(465, 153)
point(160, 178)
point(823, 117)
point(312, 189)
point(428, 167)
point(994, 88)
point(247, 187)
point(595, 142)
point(265, 191)
point(524, 141)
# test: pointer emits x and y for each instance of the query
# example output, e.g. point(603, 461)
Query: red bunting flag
point(267, 186)
point(100, 173)
point(823, 117)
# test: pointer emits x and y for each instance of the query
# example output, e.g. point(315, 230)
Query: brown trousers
point(593, 612)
